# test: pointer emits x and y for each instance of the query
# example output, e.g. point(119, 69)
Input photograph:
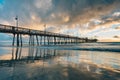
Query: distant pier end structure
point(37, 37)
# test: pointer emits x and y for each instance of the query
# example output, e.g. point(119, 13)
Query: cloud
point(116, 14)
point(57, 11)
point(71, 16)
point(116, 36)
point(83, 11)
point(110, 20)
point(118, 27)
point(43, 5)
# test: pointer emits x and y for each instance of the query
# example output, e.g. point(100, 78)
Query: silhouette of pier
point(40, 37)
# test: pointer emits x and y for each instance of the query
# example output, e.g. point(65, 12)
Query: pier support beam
point(54, 40)
point(21, 39)
point(17, 39)
point(44, 40)
point(13, 40)
point(29, 39)
point(40, 40)
point(48, 40)
point(37, 40)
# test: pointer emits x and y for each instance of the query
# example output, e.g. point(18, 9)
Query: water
point(85, 61)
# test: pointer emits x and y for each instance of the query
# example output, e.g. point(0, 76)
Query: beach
point(85, 61)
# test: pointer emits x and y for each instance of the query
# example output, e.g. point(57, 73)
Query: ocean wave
point(88, 49)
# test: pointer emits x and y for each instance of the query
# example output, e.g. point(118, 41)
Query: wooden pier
point(40, 37)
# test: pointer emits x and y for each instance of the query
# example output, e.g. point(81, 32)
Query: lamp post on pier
point(19, 36)
point(16, 18)
point(45, 28)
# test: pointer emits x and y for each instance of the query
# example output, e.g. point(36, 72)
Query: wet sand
point(41, 70)
point(36, 63)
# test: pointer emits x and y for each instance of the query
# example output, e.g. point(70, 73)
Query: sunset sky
point(83, 18)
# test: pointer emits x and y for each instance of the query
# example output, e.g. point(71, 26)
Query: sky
point(84, 18)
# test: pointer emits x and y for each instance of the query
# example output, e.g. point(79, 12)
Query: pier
point(40, 37)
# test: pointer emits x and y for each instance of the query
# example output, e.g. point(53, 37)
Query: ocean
point(84, 61)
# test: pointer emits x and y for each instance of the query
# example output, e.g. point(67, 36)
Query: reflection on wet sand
point(34, 54)
point(50, 64)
